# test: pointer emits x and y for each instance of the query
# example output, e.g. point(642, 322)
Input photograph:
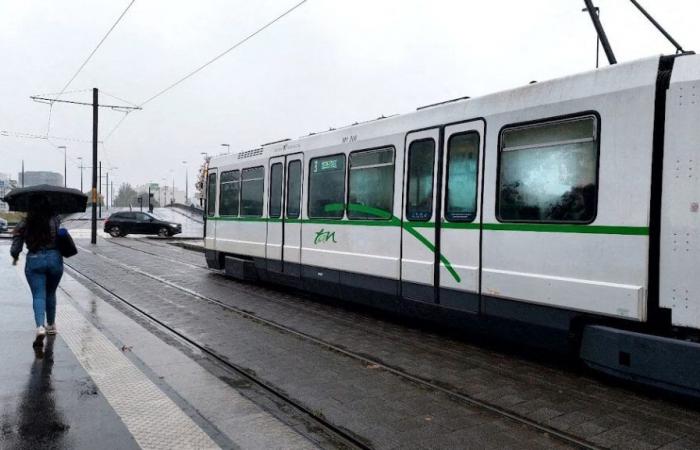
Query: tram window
point(371, 184)
point(276, 191)
point(294, 189)
point(229, 193)
point(421, 157)
point(327, 187)
point(548, 172)
point(211, 195)
point(252, 191)
point(462, 170)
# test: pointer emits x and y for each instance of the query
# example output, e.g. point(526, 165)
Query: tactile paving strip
point(154, 420)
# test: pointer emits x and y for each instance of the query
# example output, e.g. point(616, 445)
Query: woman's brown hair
point(37, 232)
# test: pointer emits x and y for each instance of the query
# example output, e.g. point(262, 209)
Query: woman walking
point(44, 266)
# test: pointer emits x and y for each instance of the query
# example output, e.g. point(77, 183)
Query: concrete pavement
point(106, 381)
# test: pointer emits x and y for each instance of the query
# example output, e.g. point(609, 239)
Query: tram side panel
point(679, 283)
point(566, 204)
point(350, 234)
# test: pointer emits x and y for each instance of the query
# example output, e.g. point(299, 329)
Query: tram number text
point(349, 139)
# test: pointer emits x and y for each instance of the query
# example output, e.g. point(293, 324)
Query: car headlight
point(176, 225)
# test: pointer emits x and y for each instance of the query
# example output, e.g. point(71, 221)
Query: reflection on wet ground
point(38, 419)
point(47, 399)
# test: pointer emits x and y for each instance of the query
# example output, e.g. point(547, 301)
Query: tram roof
point(619, 77)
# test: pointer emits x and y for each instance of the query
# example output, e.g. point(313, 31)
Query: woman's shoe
point(40, 333)
point(51, 329)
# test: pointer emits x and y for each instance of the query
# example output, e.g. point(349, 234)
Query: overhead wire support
point(601, 31)
point(114, 107)
point(658, 26)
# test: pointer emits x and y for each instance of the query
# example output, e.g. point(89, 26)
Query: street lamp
point(81, 173)
point(228, 147)
point(110, 188)
point(206, 161)
point(65, 166)
point(163, 194)
point(186, 182)
point(172, 198)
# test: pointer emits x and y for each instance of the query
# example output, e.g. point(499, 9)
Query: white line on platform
point(154, 420)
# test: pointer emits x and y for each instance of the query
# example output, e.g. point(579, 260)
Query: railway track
point(563, 437)
point(346, 439)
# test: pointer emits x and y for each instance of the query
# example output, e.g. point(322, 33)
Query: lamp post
point(65, 166)
point(110, 191)
point(163, 192)
point(201, 196)
point(81, 173)
point(172, 198)
point(228, 147)
point(186, 183)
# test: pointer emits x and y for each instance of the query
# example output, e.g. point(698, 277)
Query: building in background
point(32, 178)
point(6, 185)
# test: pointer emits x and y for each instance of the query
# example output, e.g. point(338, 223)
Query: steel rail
point(346, 437)
point(367, 360)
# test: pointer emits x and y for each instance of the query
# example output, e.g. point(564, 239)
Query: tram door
point(460, 224)
point(418, 216)
point(210, 225)
point(283, 246)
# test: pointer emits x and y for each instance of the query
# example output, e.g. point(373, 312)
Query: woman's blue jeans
point(44, 270)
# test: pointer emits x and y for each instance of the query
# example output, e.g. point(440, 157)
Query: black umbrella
point(62, 200)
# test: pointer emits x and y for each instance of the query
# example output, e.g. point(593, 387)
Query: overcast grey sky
point(328, 64)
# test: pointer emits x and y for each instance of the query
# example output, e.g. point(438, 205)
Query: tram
point(569, 206)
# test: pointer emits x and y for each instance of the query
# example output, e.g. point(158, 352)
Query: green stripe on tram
point(395, 222)
point(386, 219)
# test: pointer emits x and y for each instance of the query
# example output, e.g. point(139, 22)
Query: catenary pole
point(95, 108)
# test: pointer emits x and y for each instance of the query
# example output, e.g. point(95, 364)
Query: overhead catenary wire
point(25, 135)
point(211, 61)
point(99, 44)
point(82, 66)
point(225, 52)
point(109, 135)
point(117, 98)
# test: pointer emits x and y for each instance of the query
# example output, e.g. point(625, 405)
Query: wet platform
point(106, 381)
point(155, 350)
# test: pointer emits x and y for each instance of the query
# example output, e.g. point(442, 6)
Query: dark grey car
point(128, 222)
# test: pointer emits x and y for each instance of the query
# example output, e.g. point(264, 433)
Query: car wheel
point(163, 232)
point(115, 232)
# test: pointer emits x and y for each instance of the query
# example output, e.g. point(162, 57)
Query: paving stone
point(564, 399)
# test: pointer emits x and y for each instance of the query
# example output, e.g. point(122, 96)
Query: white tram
point(571, 205)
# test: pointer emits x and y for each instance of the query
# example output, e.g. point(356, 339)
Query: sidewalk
point(47, 399)
point(106, 381)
